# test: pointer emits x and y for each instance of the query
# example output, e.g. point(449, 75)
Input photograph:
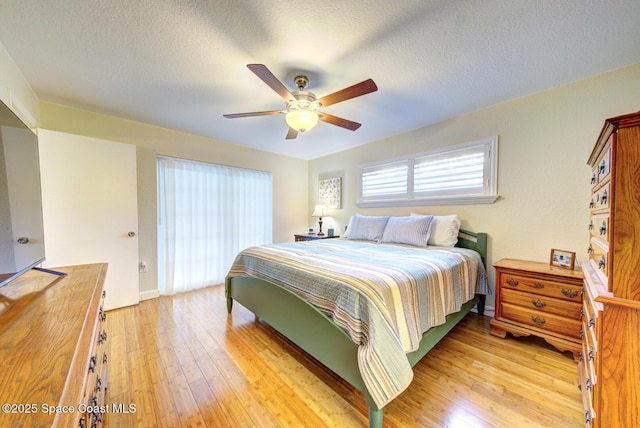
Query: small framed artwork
point(329, 192)
point(563, 259)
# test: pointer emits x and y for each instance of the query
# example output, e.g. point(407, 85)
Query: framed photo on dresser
point(562, 258)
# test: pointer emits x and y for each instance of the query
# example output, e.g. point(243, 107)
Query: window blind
point(461, 174)
point(207, 213)
point(456, 172)
point(385, 181)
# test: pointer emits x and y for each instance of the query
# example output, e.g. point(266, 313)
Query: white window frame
point(487, 194)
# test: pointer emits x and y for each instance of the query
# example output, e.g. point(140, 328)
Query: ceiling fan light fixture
point(301, 120)
point(302, 112)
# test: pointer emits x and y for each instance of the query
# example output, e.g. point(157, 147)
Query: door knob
point(131, 234)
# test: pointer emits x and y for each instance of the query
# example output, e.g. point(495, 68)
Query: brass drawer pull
point(592, 355)
point(593, 178)
point(587, 416)
point(587, 383)
point(592, 204)
point(98, 383)
point(538, 285)
point(536, 319)
point(512, 282)
point(538, 303)
point(569, 293)
point(104, 358)
point(590, 249)
point(603, 200)
point(592, 322)
point(603, 167)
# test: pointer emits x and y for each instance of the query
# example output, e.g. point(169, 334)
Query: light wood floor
point(182, 361)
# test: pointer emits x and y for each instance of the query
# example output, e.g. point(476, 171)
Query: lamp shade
point(318, 211)
point(301, 120)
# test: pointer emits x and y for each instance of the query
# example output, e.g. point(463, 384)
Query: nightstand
point(313, 237)
point(539, 299)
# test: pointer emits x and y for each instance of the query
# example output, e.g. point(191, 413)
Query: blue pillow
point(368, 228)
point(410, 230)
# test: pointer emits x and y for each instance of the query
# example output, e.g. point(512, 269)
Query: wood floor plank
point(183, 361)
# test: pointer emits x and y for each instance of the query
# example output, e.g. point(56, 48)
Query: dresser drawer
point(589, 355)
point(603, 167)
point(541, 320)
point(542, 287)
point(599, 228)
point(599, 255)
point(542, 303)
point(587, 395)
point(600, 198)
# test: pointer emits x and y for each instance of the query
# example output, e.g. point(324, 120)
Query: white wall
point(543, 183)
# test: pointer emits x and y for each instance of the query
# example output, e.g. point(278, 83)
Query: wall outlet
point(142, 267)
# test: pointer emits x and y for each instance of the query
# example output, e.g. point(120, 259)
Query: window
point(207, 213)
point(461, 174)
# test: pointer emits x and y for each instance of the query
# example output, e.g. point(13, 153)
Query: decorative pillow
point(444, 230)
point(411, 230)
point(368, 228)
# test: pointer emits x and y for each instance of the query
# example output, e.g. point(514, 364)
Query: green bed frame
point(322, 338)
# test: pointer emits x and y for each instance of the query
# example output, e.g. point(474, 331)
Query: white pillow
point(411, 230)
point(348, 228)
point(368, 228)
point(444, 230)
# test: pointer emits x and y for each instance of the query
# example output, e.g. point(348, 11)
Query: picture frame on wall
point(563, 259)
point(330, 193)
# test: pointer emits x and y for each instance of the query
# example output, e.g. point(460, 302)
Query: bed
point(301, 289)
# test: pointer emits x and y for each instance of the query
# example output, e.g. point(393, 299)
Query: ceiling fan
point(303, 107)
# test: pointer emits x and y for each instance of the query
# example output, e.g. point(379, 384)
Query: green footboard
point(323, 339)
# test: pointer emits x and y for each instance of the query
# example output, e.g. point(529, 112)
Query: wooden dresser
point(610, 366)
point(538, 299)
point(52, 349)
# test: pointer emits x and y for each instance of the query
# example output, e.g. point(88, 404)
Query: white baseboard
point(151, 294)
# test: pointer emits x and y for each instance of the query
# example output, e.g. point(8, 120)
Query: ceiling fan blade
point(253, 113)
point(362, 88)
point(292, 134)
point(338, 121)
point(267, 77)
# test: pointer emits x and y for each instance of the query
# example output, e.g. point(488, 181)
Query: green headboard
point(474, 241)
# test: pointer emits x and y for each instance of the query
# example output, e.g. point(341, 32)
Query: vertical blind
point(207, 213)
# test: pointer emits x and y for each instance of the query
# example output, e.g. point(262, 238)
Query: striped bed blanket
point(385, 296)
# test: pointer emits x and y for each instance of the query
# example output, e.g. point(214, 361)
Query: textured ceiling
point(181, 64)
